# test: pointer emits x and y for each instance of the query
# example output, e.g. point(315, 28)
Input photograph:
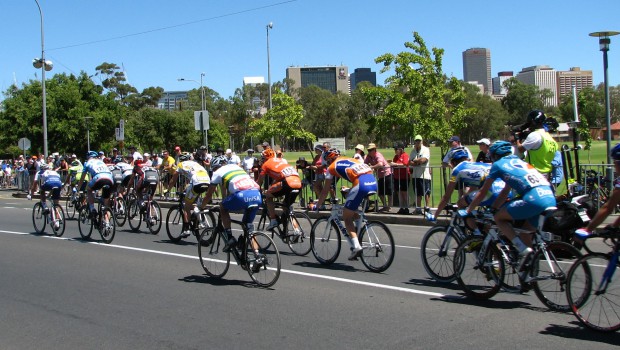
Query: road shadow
point(429, 282)
point(334, 266)
point(489, 304)
point(179, 243)
point(576, 331)
point(205, 279)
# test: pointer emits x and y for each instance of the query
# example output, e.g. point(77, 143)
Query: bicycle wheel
point(174, 224)
point(325, 241)
point(437, 249)
point(70, 208)
point(107, 225)
point(478, 279)
point(214, 261)
point(85, 223)
point(595, 308)
point(548, 276)
point(39, 220)
point(378, 244)
point(58, 226)
point(120, 211)
point(134, 215)
point(262, 259)
point(299, 228)
point(154, 218)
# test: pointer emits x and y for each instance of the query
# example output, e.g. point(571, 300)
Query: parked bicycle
point(42, 216)
point(592, 291)
point(103, 221)
point(255, 252)
point(293, 228)
point(374, 237)
point(143, 209)
point(198, 221)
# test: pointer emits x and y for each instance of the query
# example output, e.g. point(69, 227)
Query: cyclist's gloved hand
point(581, 234)
point(29, 197)
point(463, 213)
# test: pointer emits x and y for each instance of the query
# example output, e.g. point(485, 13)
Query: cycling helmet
point(458, 154)
point(615, 153)
point(536, 117)
point(44, 166)
point(268, 153)
point(218, 162)
point(92, 154)
point(500, 149)
point(184, 156)
point(75, 163)
point(331, 154)
point(118, 159)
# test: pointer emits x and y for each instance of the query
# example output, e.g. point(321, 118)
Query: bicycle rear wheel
point(174, 224)
point(85, 223)
point(478, 279)
point(214, 261)
point(437, 249)
point(325, 241)
point(262, 259)
point(120, 211)
point(597, 310)
point(39, 220)
point(154, 218)
point(549, 275)
point(378, 246)
point(107, 225)
point(299, 228)
point(58, 225)
point(70, 208)
point(134, 215)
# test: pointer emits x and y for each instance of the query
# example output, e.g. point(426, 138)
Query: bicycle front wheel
point(262, 259)
point(134, 215)
point(107, 225)
point(58, 224)
point(213, 259)
point(325, 241)
point(174, 224)
point(39, 220)
point(378, 246)
point(154, 218)
point(480, 277)
point(85, 223)
point(299, 228)
point(437, 250)
point(593, 291)
point(120, 211)
point(549, 274)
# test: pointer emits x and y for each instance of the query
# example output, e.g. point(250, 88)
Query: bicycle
point(119, 208)
point(146, 209)
point(374, 237)
point(75, 202)
point(592, 291)
point(481, 264)
point(103, 220)
point(293, 228)
point(175, 220)
point(255, 252)
point(42, 216)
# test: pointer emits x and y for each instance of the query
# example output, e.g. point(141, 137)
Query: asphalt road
point(143, 292)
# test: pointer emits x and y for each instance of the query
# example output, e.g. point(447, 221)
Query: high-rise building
point(331, 78)
point(362, 74)
point(477, 67)
point(544, 77)
point(498, 82)
point(171, 100)
point(573, 77)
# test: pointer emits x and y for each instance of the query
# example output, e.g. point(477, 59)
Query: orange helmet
point(268, 153)
point(331, 154)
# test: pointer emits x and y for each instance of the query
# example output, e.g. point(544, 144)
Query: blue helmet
point(458, 154)
point(92, 154)
point(615, 153)
point(501, 149)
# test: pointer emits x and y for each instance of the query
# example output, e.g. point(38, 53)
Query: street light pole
point(43, 69)
point(269, 26)
point(202, 106)
point(87, 120)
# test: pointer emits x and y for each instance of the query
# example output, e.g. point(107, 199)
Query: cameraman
point(539, 144)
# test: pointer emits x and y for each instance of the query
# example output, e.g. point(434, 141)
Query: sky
point(157, 42)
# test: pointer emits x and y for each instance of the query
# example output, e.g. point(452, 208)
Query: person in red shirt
point(400, 170)
point(286, 182)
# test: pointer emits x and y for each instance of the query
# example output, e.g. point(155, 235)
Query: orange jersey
point(348, 168)
point(278, 169)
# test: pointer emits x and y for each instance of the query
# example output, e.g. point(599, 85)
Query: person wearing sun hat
point(359, 152)
point(383, 171)
point(420, 173)
point(484, 156)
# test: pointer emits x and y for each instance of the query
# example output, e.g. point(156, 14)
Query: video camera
point(520, 132)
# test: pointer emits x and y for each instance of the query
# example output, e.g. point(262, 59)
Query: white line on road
point(314, 275)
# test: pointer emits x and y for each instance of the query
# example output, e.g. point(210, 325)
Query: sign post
point(201, 122)
point(23, 144)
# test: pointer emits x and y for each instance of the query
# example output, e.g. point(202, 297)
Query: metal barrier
point(597, 182)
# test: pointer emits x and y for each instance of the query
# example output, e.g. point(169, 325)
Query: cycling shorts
point(366, 184)
point(99, 181)
point(243, 200)
point(54, 187)
point(531, 204)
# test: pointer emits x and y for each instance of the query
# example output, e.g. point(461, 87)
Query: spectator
point(484, 156)
point(359, 153)
point(177, 153)
point(146, 160)
point(266, 145)
point(31, 168)
point(557, 171)
point(155, 160)
point(114, 153)
point(384, 175)
point(168, 167)
point(232, 158)
point(419, 159)
point(455, 143)
point(400, 171)
point(248, 162)
point(319, 171)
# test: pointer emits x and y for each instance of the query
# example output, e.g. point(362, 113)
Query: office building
point(477, 67)
point(573, 77)
point(544, 77)
point(362, 74)
point(498, 82)
point(330, 78)
point(171, 99)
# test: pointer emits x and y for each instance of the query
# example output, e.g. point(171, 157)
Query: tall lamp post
point(87, 121)
point(269, 26)
point(202, 104)
point(45, 66)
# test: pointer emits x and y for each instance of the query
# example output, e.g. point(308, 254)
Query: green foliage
point(485, 118)
point(520, 100)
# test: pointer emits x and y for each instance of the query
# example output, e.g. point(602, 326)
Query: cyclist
point(533, 194)
point(285, 180)
point(240, 192)
point(608, 207)
point(143, 177)
point(100, 177)
point(126, 171)
point(198, 180)
point(363, 183)
point(47, 180)
point(72, 175)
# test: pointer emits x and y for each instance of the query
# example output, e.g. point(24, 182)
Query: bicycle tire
point(597, 311)
point(262, 259)
point(70, 207)
point(39, 220)
point(120, 211)
point(299, 228)
point(154, 218)
point(378, 246)
point(60, 230)
point(479, 282)
point(211, 254)
point(174, 224)
point(107, 233)
point(85, 223)
point(325, 241)
point(134, 215)
point(437, 249)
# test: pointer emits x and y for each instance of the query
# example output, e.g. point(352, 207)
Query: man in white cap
point(232, 158)
point(420, 173)
point(484, 156)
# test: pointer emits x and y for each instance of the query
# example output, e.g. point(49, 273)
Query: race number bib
point(534, 179)
point(362, 168)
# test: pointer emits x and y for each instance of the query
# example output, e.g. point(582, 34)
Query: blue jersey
point(95, 166)
point(48, 178)
point(519, 175)
point(470, 174)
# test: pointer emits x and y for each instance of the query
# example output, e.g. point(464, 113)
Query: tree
point(114, 80)
point(486, 117)
point(520, 100)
